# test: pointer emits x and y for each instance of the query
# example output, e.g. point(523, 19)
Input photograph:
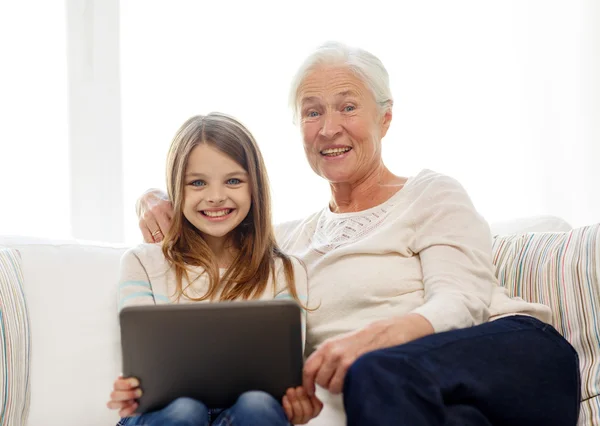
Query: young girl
point(221, 246)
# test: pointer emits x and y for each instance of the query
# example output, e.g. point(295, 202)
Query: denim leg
point(254, 408)
point(515, 371)
point(181, 412)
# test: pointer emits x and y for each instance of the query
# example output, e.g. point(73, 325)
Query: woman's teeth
point(217, 213)
point(333, 152)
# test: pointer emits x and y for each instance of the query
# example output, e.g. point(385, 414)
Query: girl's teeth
point(217, 214)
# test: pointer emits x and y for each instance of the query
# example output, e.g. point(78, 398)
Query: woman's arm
point(454, 245)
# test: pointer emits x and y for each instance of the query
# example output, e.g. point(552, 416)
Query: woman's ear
point(386, 120)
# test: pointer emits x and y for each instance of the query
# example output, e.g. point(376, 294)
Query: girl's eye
point(198, 183)
point(234, 181)
point(349, 108)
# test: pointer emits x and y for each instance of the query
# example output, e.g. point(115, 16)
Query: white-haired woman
point(413, 327)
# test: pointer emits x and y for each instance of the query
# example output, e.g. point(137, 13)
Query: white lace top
point(336, 230)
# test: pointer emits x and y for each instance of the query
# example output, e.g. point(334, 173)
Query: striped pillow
point(14, 342)
point(561, 270)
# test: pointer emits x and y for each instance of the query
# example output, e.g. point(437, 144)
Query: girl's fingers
point(127, 395)
point(128, 411)
point(126, 384)
point(124, 395)
point(119, 405)
point(317, 405)
point(307, 409)
point(296, 406)
point(287, 407)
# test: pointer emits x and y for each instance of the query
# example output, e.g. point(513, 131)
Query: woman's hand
point(124, 395)
point(299, 407)
point(155, 212)
point(328, 365)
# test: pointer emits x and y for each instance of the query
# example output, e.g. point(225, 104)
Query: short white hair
point(363, 64)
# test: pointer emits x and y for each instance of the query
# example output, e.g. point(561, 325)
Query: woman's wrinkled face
point(341, 125)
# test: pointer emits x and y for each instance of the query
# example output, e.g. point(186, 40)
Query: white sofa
point(70, 289)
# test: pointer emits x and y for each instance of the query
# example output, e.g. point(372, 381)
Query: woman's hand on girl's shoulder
point(124, 396)
point(299, 407)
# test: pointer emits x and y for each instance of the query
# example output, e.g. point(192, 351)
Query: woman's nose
point(331, 126)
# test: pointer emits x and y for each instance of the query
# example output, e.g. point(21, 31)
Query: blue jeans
point(251, 409)
point(515, 371)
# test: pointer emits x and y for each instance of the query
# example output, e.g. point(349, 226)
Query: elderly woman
point(412, 326)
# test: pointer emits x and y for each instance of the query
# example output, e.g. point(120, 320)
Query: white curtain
point(502, 95)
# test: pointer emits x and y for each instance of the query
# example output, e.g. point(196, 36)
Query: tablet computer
point(212, 352)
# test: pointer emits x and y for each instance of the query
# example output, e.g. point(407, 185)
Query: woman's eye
point(349, 108)
point(234, 181)
point(313, 114)
point(198, 183)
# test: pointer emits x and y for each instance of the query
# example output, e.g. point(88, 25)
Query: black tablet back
point(212, 352)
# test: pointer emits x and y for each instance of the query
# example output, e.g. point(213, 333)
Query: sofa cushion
point(15, 342)
point(561, 270)
point(70, 290)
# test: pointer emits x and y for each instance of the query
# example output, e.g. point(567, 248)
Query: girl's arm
point(134, 287)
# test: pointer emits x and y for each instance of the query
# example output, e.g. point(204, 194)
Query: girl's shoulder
point(150, 256)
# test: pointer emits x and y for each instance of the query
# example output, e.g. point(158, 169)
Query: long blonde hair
point(254, 237)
